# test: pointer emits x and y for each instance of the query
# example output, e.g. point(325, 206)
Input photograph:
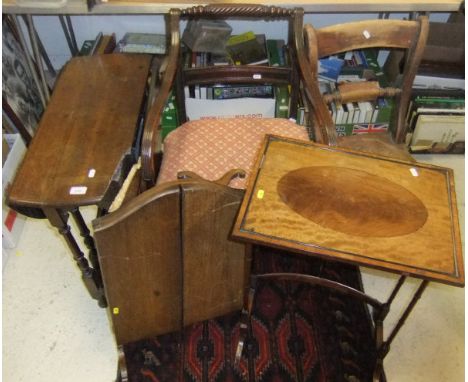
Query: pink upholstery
point(210, 148)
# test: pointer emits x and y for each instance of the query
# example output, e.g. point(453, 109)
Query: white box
point(230, 108)
point(13, 222)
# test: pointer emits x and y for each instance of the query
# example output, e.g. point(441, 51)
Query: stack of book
point(244, 49)
point(102, 44)
point(248, 49)
point(262, 100)
point(436, 115)
point(354, 117)
point(443, 61)
point(206, 35)
point(436, 123)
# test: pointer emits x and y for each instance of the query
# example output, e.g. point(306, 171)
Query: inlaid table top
point(350, 206)
point(85, 133)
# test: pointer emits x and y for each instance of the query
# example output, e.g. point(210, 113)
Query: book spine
point(275, 50)
point(385, 110)
point(282, 47)
point(239, 39)
point(372, 63)
point(282, 102)
point(350, 108)
point(273, 53)
point(169, 118)
point(357, 112)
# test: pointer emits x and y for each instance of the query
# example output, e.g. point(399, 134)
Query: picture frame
point(21, 100)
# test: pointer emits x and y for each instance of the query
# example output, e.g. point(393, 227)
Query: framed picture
point(21, 101)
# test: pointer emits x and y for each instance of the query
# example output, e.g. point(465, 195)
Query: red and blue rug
point(297, 333)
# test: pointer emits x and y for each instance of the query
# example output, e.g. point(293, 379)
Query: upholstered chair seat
point(209, 148)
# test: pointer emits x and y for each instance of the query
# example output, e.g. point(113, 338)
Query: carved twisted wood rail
point(237, 10)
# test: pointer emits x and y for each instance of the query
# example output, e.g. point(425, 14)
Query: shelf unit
point(151, 7)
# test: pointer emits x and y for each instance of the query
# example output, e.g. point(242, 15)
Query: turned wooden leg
point(245, 319)
point(122, 374)
point(87, 238)
point(92, 253)
point(58, 219)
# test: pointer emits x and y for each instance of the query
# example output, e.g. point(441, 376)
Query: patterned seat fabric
point(210, 148)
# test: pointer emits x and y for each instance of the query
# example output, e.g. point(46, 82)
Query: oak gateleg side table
point(86, 142)
point(349, 206)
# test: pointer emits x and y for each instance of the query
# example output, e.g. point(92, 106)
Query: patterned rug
point(297, 333)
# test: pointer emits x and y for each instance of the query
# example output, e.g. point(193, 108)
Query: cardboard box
point(13, 222)
point(230, 108)
point(445, 43)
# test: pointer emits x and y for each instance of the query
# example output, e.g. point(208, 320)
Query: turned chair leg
point(122, 374)
point(245, 319)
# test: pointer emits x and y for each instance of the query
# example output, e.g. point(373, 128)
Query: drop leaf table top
point(86, 131)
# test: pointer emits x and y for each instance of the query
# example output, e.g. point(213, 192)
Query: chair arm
point(151, 131)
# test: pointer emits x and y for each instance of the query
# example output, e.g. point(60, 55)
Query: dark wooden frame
point(9, 109)
point(172, 73)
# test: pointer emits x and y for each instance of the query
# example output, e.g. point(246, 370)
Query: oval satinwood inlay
point(352, 201)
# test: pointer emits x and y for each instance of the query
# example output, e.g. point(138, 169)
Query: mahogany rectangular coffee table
point(83, 147)
point(349, 206)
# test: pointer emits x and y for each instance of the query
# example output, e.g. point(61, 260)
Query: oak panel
point(167, 260)
point(214, 266)
point(139, 254)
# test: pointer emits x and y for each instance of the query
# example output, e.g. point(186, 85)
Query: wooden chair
point(175, 74)
point(409, 36)
point(164, 246)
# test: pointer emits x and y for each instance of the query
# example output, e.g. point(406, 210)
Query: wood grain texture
point(90, 123)
point(432, 251)
point(359, 91)
point(365, 34)
point(166, 259)
point(140, 265)
point(352, 201)
point(152, 130)
point(214, 271)
point(377, 143)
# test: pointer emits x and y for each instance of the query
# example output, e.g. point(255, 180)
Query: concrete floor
point(53, 331)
